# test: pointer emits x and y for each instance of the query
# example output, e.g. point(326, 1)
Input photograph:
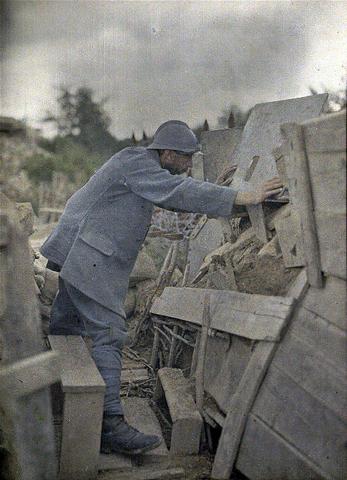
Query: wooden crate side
point(329, 303)
point(321, 335)
point(308, 367)
point(303, 421)
point(265, 455)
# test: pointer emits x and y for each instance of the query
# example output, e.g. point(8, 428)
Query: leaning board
point(260, 137)
point(257, 317)
point(217, 147)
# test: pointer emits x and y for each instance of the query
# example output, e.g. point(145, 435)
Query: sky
point(160, 60)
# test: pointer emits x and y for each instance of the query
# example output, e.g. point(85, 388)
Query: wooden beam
point(258, 317)
point(294, 134)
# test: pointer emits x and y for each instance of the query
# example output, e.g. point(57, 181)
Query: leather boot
point(118, 436)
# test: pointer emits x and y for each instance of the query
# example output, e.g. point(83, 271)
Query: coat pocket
point(102, 244)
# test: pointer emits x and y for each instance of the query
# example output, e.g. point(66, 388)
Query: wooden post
point(29, 424)
point(199, 376)
point(172, 347)
point(155, 348)
point(297, 152)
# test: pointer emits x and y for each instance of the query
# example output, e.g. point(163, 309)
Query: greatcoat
point(100, 232)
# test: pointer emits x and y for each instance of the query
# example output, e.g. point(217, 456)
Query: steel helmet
point(175, 135)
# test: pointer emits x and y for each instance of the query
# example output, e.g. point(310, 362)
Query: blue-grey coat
point(100, 232)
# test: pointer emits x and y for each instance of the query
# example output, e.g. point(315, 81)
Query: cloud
point(161, 60)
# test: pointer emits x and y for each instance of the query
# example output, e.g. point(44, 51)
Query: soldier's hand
point(269, 188)
point(266, 190)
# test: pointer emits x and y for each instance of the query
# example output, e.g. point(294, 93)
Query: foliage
point(40, 167)
point(240, 116)
point(65, 156)
point(84, 120)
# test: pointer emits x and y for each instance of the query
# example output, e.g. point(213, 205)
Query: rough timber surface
point(257, 317)
point(327, 167)
point(209, 237)
point(186, 420)
point(298, 423)
point(227, 359)
point(261, 136)
point(217, 147)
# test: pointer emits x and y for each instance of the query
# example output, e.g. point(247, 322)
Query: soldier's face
point(175, 162)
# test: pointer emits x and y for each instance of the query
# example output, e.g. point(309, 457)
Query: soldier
point(97, 240)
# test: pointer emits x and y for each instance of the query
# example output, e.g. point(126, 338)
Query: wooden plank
point(240, 405)
point(140, 415)
point(297, 155)
point(328, 180)
point(261, 136)
point(257, 218)
point(321, 335)
point(331, 231)
point(227, 360)
point(80, 444)
point(217, 147)
point(208, 238)
point(329, 303)
point(303, 421)
point(29, 375)
point(308, 367)
point(31, 434)
point(265, 455)
point(79, 372)
point(242, 401)
point(288, 229)
point(257, 317)
point(327, 133)
point(186, 420)
point(299, 287)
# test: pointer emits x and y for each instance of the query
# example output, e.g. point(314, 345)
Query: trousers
point(73, 313)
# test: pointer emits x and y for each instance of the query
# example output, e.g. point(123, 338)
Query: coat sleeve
point(146, 178)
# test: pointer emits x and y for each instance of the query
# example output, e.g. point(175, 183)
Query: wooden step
point(83, 395)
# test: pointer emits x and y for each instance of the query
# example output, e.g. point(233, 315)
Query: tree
point(233, 116)
point(84, 120)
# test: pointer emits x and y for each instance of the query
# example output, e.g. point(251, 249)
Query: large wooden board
point(326, 153)
point(303, 421)
point(239, 408)
point(226, 359)
point(265, 455)
point(217, 147)
point(261, 136)
point(308, 367)
point(257, 317)
point(329, 303)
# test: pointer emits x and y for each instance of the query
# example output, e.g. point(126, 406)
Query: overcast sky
point(157, 60)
